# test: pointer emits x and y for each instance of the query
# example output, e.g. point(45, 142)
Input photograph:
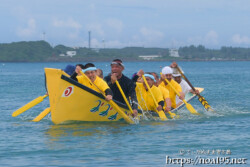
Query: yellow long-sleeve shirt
point(172, 93)
point(165, 94)
point(144, 97)
point(100, 83)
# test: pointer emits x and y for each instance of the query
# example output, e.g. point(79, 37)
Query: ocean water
point(225, 133)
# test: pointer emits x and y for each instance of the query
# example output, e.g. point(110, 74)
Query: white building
point(71, 53)
point(174, 53)
point(149, 57)
point(68, 53)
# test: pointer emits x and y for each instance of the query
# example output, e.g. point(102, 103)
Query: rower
point(126, 84)
point(76, 73)
point(96, 83)
point(144, 96)
point(167, 74)
point(165, 93)
point(184, 85)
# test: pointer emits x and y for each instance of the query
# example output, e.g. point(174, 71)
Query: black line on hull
point(63, 77)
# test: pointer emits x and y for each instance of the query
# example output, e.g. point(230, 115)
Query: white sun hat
point(167, 70)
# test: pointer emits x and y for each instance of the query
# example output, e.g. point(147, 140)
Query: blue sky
point(121, 23)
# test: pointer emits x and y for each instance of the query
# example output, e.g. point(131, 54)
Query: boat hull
point(72, 101)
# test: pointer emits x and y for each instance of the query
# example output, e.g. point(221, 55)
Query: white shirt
point(185, 89)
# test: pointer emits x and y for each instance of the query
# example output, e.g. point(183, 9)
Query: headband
point(117, 63)
point(150, 76)
point(89, 69)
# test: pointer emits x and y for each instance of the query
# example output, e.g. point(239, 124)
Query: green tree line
point(42, 51)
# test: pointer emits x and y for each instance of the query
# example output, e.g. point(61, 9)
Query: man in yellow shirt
point(90, 71)
point(144, 96)
point(167, 74)
point(165, 93)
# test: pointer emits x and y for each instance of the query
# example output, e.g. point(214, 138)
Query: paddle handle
point(189, 83)
point(189, 106)
point(185, 78)
point(160, 113)
point(29, 105)
point(201, 98)
point(93, 84)
point(123, 95)
point(42, 115)
point(178, 94)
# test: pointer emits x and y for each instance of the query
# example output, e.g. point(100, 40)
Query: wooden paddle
point(29, 105)
point(160, 113)
point(112, 103)
point(201, 98)
point(42, 115)
point(124, 97)
point(172, 115)
point(189, 106)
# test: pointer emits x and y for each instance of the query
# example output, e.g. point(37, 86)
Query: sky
point(127, 23)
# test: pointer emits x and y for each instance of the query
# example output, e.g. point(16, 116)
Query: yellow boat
point(72, 101)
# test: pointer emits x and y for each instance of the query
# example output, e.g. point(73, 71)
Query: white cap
point(176, 74)
point(167, 70)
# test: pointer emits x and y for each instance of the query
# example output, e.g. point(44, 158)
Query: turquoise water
point(26, 143)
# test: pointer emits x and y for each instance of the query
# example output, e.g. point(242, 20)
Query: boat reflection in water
point(79, 128)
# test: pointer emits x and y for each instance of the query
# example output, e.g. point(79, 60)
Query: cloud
point(128, 23)
point(29, 30)
point(238, 39)
point(114, 44)
point(69, 23)
point(210, 38)
point(96, 28)
point(73, 35)
point(70, 28)
point(115, 24)
point(151, 35)
point(92, 6)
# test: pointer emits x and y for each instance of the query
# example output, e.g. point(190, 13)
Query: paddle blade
point(210, 109)
point(42, 115)
point(162, 115)
point(29, 105)
point(172, 115)
point(205, 103)
point(191, 109)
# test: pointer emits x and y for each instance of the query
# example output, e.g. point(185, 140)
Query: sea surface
point(225, 133)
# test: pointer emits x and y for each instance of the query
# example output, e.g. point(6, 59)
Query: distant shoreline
point(42, 51)
point(123, 60)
